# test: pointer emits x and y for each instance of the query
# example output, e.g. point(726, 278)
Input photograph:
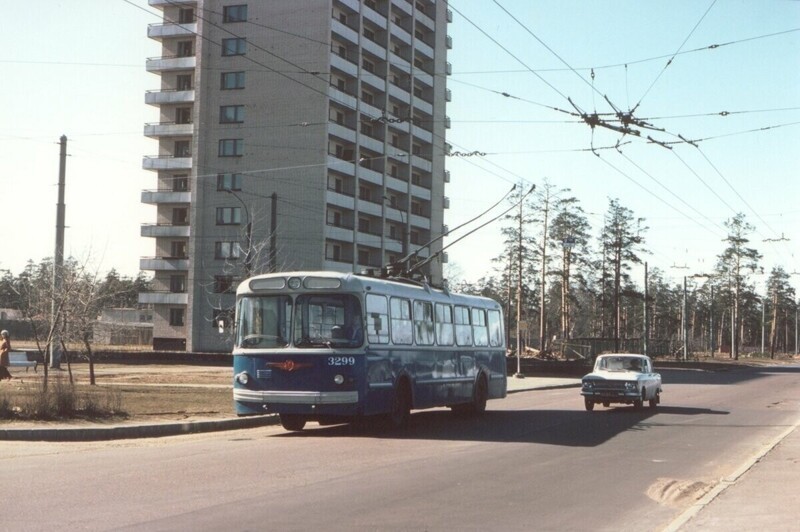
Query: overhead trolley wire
point(669, 62)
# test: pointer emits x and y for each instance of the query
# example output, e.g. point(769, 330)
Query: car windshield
point(620, 364)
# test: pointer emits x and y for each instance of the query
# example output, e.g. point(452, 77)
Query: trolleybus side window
point(479, 329)
point(423, 322)
point(402, 331)
point(495, 328)
point(263, 321)
point(377, 319)
point(444, 324)
point(463, 327)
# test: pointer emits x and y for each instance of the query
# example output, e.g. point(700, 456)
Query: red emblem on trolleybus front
point(289, 365)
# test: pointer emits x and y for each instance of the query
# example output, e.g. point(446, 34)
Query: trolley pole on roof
point(58, 259)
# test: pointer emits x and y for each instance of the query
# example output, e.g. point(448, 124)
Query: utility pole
point(519, 294)
point(273, 252)
point(58, 258)
point(542, 313)
point(711, 322)
point(685, 323)
point(646, 315)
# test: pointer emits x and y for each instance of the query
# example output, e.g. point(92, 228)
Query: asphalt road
point(536, 461)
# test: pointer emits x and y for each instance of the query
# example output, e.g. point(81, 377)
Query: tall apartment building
point(293, 135)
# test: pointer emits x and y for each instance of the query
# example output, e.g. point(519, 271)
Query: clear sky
point(77, 68)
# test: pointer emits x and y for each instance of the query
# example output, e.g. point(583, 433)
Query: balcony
point(163, 298)
point(171, 264)
point(375, 17)
point(421, 192)
point(344, 31)
point(339, 233)
point(170, 3)
point(342, 97)
point(341, 131)
point(167, 64)
point(154, 197)
point(345, 65)
point(168, 30)
point(166, 162)
point(167, 97)
point(168, 129)
point(165, 230)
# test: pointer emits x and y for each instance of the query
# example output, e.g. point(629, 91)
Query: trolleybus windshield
point(318, 320)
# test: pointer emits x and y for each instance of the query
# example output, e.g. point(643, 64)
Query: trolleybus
point(337, 347)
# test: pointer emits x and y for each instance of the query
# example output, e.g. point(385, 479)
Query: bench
point(20, 359)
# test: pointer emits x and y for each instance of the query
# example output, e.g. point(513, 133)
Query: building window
point(177, 284)
point(232, 80)
point(223, 284)
point(231, 114)
point(226, 250)
point(177, 249)
point(234, 46)
point(368, 65)
point(180, 216)
point(176, 317)
point(185, 48)
point(334, 252)
point(182, 148)
point(234, 13)
point(186, 15)
point(183, 115)
point(229, 216)
point(183, 82)
point(229, 181)
point(364, 193)
point(180, 183)
point(367, 97)
point(231, 147)
point(363, 225)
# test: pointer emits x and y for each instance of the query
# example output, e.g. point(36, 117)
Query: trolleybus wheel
point(401, 406)
point(293, 422)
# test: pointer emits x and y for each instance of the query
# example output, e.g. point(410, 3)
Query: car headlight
point(630, 386)
point(588, 385)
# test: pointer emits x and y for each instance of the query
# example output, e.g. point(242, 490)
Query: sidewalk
point(761, 495)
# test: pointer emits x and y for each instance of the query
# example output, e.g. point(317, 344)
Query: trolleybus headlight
point(339, 379)
point(243, 378)
point(294, 283)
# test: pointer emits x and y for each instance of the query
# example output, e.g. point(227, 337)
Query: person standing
point(5, 347)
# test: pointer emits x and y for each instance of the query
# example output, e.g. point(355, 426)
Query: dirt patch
point(674, 492)
point(146, 392)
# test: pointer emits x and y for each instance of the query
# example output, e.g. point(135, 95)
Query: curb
point(134, 431)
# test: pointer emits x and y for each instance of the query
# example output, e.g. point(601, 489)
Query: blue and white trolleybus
point(336, 347)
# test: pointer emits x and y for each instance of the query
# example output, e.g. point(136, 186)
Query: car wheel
point(637, 403)
point(589, 404)
point(293, 422)
point(655, 400)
